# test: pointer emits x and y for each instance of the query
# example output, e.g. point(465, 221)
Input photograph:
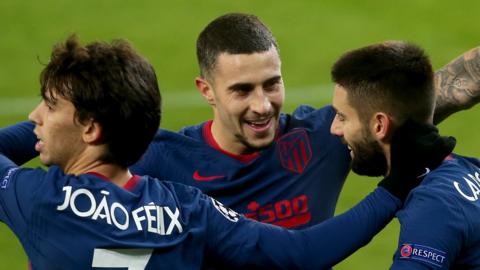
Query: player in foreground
point(378, 88)
point(100, 108)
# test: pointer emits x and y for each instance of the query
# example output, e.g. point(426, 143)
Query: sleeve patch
point(423, 253)
point(7, 177)
point(225, 211)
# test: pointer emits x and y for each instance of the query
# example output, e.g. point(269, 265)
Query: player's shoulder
point(35, 182)
point(166, 142)
point(308, 117)
point(32, 174)
point(11, 174)
point(180, 192)
point(306, 112)
point(193, 131)
point(464, 177)
point(184, 135)
point(453, 167)
point(456, 179)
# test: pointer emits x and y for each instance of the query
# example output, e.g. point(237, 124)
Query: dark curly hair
point(112, 85)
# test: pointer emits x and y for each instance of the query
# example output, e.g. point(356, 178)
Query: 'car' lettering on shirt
point(151, 217)
point(474, 185)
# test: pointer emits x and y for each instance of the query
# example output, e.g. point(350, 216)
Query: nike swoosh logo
point(198, 177)
point(427, 170)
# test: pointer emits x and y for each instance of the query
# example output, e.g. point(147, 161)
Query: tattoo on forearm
point(458, 85)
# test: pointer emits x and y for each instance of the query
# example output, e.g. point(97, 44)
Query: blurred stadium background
point(311, 35)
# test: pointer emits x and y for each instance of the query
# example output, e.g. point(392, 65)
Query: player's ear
point(381, 126)
point(92, 132)
point(205, 89)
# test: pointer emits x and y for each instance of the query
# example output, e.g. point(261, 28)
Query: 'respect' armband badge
point(423, 253)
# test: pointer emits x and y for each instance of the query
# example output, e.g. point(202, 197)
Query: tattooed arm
point(457, 85)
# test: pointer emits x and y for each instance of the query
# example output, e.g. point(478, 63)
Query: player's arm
point(17, 186)
point(432, 231)
point(457, 85)
point(240, 243)
point(324, 245)
point(17, 142)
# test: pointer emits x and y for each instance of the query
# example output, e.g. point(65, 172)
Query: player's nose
point(35, 114)
point(260, 102)
point(336, 127)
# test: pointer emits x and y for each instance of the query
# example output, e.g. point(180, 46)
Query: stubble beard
point(369, 158)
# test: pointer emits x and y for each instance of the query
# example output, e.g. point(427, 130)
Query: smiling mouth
point(260, 125)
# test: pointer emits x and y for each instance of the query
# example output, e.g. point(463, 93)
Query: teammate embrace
point(100, 110)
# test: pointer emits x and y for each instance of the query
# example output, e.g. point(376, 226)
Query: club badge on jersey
point(294, 150)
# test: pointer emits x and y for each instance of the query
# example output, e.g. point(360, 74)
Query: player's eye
point(242, 89)
point(273, 84)
point(340, 117)
point(49, 104)
point(272, 87)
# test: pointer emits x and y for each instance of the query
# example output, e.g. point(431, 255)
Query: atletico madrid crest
point(294, 150)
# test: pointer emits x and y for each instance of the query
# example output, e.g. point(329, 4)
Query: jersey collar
point(130, 185)
point(208, 136)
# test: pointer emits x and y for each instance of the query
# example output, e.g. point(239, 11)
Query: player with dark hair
point(277, 168)
point(284, 169)
point(379, 88)
point(100, 107)
point(92, 75)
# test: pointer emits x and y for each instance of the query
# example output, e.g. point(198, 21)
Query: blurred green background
point(311, 35)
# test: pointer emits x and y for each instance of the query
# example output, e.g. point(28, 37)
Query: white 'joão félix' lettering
point(151, 217)
point(473, 182)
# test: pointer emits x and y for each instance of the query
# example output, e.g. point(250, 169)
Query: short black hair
point(233, 33)
point(394, 76)
point(111, 84)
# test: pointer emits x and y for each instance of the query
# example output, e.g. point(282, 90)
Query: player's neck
point(210, 140)
point(89, 162)
point(227, 142)
point(114, 173)
point(387, 150)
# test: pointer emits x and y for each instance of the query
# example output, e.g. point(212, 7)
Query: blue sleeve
point(248, 244)
point(432, 229)
point(17, 142)
point(18, 188)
